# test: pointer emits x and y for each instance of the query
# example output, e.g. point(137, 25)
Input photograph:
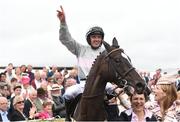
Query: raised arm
point(65, 36)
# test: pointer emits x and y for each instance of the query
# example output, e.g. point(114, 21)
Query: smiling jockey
point(85, 56)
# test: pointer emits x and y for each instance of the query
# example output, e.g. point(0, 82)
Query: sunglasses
point(20, 102)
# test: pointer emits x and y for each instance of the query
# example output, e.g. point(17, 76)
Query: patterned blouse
point(171, 115)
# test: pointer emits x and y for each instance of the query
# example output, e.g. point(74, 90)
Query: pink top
point(134, 116)
point(44, 115)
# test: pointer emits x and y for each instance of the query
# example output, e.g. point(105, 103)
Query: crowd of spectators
point(27, 94)
point(163, 102)
point(35, 94)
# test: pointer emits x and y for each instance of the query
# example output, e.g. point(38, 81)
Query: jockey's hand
point(61, 15)
point(118, 91)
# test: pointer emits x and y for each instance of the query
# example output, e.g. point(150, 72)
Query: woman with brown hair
point(138, 112)
point(46, 113)
point(165, 106)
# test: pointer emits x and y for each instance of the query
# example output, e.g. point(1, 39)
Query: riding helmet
point(92, 31)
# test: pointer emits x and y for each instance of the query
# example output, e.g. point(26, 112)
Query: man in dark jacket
point(59, 102)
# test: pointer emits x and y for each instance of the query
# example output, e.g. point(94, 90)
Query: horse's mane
point(96, 65)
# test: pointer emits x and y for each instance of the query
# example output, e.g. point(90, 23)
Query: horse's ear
point(115, 43)
point(106, 45)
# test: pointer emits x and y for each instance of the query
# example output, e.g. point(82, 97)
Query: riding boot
point(68, 111)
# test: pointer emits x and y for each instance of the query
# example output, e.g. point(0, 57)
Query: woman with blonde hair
point(18, 104)
point(17, 114)
point(165, 105)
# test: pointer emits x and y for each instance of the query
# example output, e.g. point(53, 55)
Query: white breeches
point(73, 91)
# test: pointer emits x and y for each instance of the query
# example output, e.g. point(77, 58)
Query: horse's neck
point(95, 83)
point(95, 86)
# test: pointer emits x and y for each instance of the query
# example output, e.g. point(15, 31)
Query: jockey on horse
point(85, 56)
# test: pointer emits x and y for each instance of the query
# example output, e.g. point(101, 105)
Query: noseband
point(119, 76)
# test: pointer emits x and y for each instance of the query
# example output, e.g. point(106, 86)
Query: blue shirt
point(4, 116)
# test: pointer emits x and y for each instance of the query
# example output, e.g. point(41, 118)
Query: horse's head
point(120, 70)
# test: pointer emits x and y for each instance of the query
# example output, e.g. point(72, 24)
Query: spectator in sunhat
point(26, 87)
point(16, 92)
point(59, 102)
point(165, 106)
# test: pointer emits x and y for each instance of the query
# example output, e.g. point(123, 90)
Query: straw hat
point(167, 79)
point(55, 87)
point(17, 85)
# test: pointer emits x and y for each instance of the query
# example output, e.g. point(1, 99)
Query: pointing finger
point(62, 9)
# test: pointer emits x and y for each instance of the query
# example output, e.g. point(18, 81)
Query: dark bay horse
point(109, 66)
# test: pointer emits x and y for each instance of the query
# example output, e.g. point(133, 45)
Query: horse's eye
point(117, 60)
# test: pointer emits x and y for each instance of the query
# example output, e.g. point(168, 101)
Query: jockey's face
point(96, 41)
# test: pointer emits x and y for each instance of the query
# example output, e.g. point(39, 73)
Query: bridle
point(120, 77)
